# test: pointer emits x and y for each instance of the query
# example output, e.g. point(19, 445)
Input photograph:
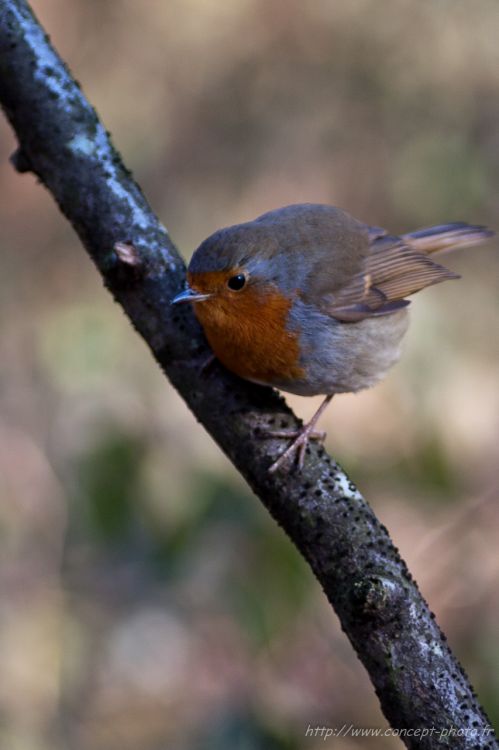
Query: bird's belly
point(305, 351)
point(347, 357)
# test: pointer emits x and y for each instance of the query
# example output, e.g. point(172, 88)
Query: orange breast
point(248, 334)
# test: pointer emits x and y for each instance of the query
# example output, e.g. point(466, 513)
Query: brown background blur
point(147, 601)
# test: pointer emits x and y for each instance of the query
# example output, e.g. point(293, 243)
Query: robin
point(311, 301)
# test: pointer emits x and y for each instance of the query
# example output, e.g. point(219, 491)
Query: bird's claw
point(297, 448)
point(301, 438)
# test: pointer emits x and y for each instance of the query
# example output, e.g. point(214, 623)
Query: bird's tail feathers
point(447, 237)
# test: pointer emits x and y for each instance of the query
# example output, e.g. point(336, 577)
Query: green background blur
point(147, 600)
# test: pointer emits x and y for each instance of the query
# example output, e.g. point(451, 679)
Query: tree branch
point(418, 681)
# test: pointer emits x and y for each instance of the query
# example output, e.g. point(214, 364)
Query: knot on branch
point(374, 596)
point(20, 161)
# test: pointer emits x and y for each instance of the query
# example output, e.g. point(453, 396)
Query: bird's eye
point(237, 282)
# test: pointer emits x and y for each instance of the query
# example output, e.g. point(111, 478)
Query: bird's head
point(230, 275)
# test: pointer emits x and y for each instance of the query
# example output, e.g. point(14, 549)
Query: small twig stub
point(127, 253)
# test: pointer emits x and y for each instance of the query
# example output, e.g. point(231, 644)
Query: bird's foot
point(297, 448)
point(300, 438)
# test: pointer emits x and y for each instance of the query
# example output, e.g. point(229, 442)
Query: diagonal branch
point(420, 685)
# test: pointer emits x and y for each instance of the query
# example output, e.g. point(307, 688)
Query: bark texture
point(419, 683)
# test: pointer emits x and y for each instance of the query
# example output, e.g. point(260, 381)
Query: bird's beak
point(189, 295)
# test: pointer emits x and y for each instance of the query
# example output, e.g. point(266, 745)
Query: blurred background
point(147, 600)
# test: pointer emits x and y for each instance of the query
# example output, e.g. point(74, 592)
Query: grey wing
point(396, 267)
point(391, 271)
point(371, 272)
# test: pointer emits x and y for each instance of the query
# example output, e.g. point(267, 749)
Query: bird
point(311, 301)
